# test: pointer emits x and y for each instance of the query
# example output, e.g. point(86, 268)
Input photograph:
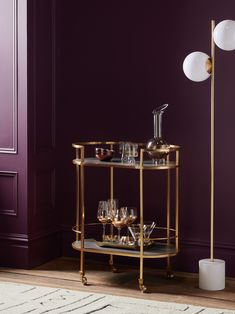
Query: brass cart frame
point(168, 250)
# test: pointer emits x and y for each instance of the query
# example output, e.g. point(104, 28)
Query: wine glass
point(112, 206)
point(132, 216)
point(103, 215)
point(119, 219)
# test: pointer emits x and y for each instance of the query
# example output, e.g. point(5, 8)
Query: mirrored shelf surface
point(116, 163)
point(157, 250)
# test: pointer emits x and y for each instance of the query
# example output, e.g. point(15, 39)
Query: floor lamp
point(198, 66)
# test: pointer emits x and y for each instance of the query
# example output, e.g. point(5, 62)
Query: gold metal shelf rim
point(93, 162)
point(124, 252)
point(141, 145)
point(77, 229)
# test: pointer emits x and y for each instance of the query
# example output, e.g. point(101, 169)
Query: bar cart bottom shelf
point(158, 250)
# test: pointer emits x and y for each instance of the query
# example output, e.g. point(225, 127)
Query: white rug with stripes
point(22, 299)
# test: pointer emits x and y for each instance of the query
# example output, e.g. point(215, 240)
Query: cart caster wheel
point(143, 289)
point(114, 269)
point(84, 280)
point(170, 275)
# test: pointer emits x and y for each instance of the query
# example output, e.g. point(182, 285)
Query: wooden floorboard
point(63, 273)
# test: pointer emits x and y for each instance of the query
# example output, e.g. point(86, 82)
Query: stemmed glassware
point(108, 211)
point(103, 215)
point(112, 207)
point(119, 219)
point(132, 216)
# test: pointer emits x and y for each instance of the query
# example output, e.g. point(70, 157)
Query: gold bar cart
point(165, 246)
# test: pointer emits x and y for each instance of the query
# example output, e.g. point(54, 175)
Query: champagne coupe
point(103, 215)
point(119, 220)
point(112, 206)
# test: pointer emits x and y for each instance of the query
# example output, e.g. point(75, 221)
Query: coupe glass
point(119, 220)
point(103, 215)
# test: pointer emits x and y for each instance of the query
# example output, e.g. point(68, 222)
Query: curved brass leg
point(169, 272)
point(83, 278)
point(142, 287)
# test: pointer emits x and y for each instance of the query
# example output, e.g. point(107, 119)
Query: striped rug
point(22, 299)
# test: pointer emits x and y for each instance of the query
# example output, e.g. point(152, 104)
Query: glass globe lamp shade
point(224, 35)
point(195, 66)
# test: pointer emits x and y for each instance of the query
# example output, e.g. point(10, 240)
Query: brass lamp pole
point(212, 141)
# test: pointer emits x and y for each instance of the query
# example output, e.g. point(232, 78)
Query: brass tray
point(123, 245)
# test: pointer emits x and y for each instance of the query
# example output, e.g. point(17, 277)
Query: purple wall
point(116, 61)
point(13, 139)
point(44, 230)
point(29, 233)
point(95, 70)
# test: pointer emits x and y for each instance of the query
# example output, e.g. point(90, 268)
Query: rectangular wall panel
point(44, 191)
point(8, 76)
point(8, 193)
point(44, 76)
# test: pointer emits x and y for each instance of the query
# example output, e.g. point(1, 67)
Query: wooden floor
point(63, 273)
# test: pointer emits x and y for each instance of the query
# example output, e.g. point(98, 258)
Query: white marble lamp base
point(211, 274)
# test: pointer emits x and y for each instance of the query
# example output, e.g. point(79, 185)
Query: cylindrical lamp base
point(212, 274)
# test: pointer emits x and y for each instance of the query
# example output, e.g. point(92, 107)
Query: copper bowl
point(104, 154)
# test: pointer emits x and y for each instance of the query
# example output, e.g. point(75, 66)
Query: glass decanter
point(157, 142)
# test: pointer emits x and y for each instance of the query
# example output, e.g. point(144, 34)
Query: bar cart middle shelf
point(166, 243)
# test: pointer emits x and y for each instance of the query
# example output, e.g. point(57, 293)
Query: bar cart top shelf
point(141, 145)
point(116, 162)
